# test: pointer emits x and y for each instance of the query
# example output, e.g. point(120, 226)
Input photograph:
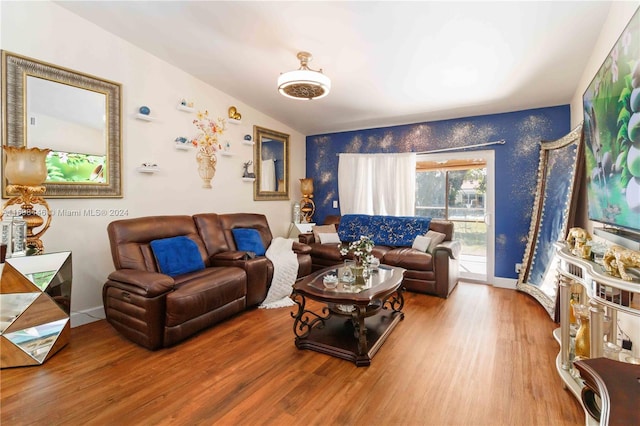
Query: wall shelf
point(226, 153)
point(183, 146)
point(245, 142)
point(234, 121)
point(143, 169)
point(245, 179)
point(144, 117)
point(185, 108)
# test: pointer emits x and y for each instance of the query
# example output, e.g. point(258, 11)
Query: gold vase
point(358, 272)
point(25, 166)
point(206, 167)
point(583, 338)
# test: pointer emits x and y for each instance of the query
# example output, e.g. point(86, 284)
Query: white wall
point(619, 16)
point(47, 32)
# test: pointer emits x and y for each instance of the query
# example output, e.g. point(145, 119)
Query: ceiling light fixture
point(304, 83)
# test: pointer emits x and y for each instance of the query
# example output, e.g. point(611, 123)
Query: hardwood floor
point(485, 356)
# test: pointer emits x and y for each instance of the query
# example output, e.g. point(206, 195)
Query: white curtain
point(268, 175)
point(382, 184)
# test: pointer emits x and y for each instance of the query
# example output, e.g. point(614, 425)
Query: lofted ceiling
point(390, 62)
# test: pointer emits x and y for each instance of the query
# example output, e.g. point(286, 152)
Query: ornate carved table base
point(344, 334)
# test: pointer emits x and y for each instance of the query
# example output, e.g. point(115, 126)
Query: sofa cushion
point(323, 229)
point(436, 238)
point(326, 251)
point(248, 239)
point(329, 238)
point(398, 231)
point(177, 255)
point(204, 291)
point(421, 243)
point(409, 258)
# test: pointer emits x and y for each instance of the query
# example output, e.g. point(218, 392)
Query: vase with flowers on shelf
point(361, 251)
point(208, 145)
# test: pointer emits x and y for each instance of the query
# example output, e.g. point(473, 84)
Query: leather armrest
point(144, 283)
point(452, 248)
point(230, 255)
point(306, 238)
point(301, 248)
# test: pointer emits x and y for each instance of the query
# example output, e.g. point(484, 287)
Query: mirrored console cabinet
point(584, 282)
point(35, 302)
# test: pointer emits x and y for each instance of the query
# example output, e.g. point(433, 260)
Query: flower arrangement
point(207, 140)
point(361, 250)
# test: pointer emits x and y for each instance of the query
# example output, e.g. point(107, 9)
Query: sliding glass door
point(459, 187)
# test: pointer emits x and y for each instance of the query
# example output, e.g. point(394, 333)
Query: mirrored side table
point(35, 303)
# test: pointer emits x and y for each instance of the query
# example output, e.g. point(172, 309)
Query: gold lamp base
point(307, 208)
point(28, 196)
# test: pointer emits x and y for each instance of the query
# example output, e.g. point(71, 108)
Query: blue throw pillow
point(177, 255)
point(248, 239)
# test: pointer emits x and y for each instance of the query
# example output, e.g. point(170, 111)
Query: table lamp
point(25, 170)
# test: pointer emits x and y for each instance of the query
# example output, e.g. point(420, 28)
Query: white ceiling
point(390, 62)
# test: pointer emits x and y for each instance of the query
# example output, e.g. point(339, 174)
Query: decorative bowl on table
point(330, 281)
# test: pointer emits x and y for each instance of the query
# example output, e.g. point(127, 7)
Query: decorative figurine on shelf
point(246, 173)
point(234, 114)
point(181, 139)
point(247, 137)
point(183, 102)
point(144, 110)
point(577, 239)
point(617, 259)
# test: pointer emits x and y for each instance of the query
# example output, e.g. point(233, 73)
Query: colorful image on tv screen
point(612, 134)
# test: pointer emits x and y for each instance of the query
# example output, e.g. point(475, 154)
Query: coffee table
point(355, 320)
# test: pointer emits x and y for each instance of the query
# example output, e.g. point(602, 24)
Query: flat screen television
point(612, 135)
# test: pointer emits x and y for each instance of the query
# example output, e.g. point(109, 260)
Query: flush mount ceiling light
point(304, 83)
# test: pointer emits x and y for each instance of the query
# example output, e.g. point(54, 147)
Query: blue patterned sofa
point(432, 272)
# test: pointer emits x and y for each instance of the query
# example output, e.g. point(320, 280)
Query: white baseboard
point(505, 282)
point(87, 316)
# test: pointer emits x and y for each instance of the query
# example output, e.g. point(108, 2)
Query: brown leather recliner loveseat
point(435, 272)
point(157, 310)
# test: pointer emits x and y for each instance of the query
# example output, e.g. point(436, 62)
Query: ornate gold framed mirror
point(76, 115)
point(553, 211)
point(271, 164)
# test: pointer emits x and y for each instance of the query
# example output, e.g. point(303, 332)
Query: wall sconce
point(307, 206)
point(25, 170)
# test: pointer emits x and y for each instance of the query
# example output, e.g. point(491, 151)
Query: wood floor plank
point(485, 356)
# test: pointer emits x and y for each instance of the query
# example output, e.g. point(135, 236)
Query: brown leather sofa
point(156, 310)
point(435, 274)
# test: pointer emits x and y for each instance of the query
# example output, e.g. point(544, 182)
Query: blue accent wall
point(516, 163)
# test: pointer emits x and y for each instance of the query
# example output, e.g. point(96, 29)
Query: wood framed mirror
point(76, 115)
point(553, 211)
point(271, 160)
